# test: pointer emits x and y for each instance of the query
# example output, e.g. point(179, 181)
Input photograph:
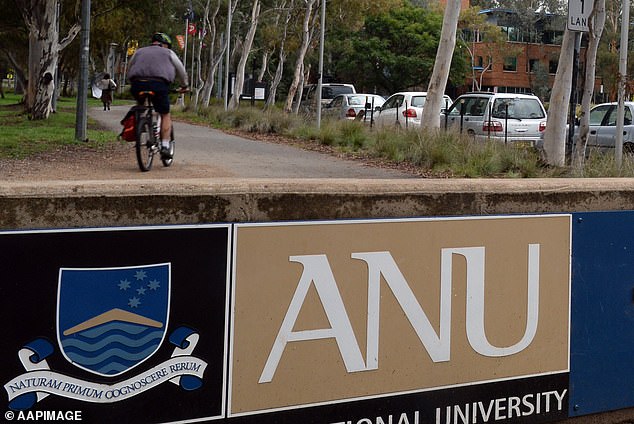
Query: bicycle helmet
point(162, 38)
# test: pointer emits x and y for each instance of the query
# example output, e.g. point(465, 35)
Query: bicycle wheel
point(168, 162)
point(146, 145)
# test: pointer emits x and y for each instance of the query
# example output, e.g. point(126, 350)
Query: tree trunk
point(40, 17)
point(43, 56)
point(265, 64)
point(596, 29)
point(440, 74)
point(300, 89)
point(270, 100)
point(214, 58)
point(234, 102)
point(555, 133)
point(279, 72)
point(301, 54)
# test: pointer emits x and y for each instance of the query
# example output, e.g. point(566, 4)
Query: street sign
point(579, 14)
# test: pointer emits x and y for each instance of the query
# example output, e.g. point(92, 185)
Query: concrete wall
point(69, 204)
point(63, 204)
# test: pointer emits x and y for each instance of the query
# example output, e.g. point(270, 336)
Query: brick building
point(528, 60)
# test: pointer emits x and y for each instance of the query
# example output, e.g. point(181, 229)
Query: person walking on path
point(107, 86)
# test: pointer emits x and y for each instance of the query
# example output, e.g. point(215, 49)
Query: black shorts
point(160, 100)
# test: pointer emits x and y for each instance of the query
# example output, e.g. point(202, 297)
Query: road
point(206, 152)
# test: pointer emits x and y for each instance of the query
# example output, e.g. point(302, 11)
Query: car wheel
point(628, 149)
point(471, 135)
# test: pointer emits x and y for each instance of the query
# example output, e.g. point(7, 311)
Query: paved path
point(212, 153)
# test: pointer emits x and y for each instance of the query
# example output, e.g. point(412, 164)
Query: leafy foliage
point(396, 50)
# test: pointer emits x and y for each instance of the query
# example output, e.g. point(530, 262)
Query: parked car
point(353, 106)
point(405, 109)
point(505, 117)
point(328, 92)
point(602, 135)
point(602, 131)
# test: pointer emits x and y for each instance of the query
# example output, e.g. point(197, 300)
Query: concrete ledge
point(61, 204)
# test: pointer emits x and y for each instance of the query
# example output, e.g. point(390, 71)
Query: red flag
point(181, 41)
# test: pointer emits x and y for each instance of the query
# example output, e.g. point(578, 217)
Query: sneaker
point(165, 153)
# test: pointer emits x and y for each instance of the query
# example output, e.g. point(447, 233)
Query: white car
point(353, 106)
point(405, 109)
point(519, 119)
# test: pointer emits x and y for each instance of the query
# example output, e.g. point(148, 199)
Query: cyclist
point(154, 68)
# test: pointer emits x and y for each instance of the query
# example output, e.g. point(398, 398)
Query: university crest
point(111, 320)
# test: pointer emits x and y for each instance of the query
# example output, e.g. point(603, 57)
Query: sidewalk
point(211, 153)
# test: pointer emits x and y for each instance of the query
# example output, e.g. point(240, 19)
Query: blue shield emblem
point(109, 320)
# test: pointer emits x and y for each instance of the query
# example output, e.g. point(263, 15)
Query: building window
point(512, 33)
point(532, 63)
point(552, 37)
point(552, 66)
point(510, 64)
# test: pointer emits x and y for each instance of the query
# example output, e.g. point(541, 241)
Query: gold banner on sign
point(343, 310)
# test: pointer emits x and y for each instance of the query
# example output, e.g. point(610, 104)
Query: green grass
point(22, 137)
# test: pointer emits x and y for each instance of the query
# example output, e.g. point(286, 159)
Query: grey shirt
point(157, 62)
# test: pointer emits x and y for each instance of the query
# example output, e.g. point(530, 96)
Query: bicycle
point(148, 135)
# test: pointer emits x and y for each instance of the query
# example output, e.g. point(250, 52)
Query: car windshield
point(517, 109)
point(328, 92)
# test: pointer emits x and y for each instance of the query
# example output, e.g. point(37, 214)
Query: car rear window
point(356, 100)
point(518, 109)
point(331, 91)
point(418, 101)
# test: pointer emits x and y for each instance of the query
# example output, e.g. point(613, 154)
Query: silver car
point(506, 117)
point(328, 92)
point(353, 106)
point(603, 128)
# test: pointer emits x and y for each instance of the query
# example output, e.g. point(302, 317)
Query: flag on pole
point(181, 41)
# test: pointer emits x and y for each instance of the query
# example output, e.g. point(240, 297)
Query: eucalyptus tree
point(216, 46)
point(440, 74)
point(596, 24)
point(308, 28)
point(555, 132)
point(608, 54)
point(44, 45)
point(234, 102)
point(277, 40)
